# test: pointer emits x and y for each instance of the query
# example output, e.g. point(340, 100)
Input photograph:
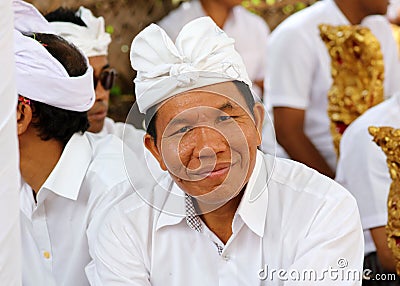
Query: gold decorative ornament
point(388, 139)
point(357, 71)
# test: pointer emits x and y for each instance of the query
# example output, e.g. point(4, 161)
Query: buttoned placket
point(40, 229)
point(227, 269)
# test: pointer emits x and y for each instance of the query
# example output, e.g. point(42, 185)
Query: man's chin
point(216, 195)
point(96, 125)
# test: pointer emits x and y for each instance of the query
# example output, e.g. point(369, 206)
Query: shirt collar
point(173, 210)
point(66, 178)
point(253, 206)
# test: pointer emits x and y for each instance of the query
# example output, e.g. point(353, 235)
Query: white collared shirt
point(57, 231)
point(10, 245)
point(301, 66)
point(294, 218)
point(252, 46)
point(362, 167)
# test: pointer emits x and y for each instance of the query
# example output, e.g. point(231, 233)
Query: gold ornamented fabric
point(357, 71)
point(388, 139)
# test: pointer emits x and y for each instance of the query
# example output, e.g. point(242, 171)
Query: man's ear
point(24, 117)
point(259, 113)
point(152, 147)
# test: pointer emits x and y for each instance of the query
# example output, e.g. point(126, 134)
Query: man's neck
point(220, 220)
point(217, 11)
point(351, 11)
point(37, 160)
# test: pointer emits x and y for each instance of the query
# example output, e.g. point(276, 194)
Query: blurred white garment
point(362, 167)
point(10, 243)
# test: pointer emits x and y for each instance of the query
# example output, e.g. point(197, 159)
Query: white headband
point(92, 40)
point(202, 55)
point(39, 76)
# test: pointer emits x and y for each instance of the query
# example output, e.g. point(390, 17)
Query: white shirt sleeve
point(10, 246)
point(333, 247)
point(118, 257)
point(363, 171)
point(290, 64)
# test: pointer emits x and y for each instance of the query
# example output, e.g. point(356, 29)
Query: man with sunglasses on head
point(87, 32)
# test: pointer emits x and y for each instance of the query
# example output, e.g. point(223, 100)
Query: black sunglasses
point(106, 78)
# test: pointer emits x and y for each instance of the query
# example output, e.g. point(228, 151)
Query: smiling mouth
point(217, 171)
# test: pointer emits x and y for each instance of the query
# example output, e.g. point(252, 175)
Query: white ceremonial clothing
point(72, 204)
point(35, 65)
point(252, 47)
point(292, 218)
point(165, 68)
point(10, 243)
point(301, 66)
point(133, 138)
point(91, 39)
point(362, 167)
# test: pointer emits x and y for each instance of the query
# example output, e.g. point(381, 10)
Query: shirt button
point(226, 257)
point(46, 254)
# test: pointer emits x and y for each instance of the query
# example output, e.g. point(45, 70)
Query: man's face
point(207, 140)
point(98, 112)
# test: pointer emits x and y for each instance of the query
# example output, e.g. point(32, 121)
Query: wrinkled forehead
point(204, 98)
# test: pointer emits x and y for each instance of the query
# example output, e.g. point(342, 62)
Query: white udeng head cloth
point(92, 40)
point(202, 55)
point(39, 76)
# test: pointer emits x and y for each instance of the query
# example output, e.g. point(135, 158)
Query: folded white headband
point(39, 76)
point(202, 55)
point(92, 39)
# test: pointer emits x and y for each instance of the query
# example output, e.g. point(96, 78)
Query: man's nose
point(101, 93)
point(208, 142)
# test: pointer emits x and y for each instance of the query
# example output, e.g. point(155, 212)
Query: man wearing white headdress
point(250, 33)
point(71, 178)
point(10, 245)
point(87, 32)
point(226, 214)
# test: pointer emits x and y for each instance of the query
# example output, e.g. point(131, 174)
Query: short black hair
point(64, 15)
point(53, 122)
point(151, 114)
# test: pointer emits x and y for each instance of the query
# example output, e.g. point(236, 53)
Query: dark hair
point(151, 114)
point(53, 122)
point(64, 15)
